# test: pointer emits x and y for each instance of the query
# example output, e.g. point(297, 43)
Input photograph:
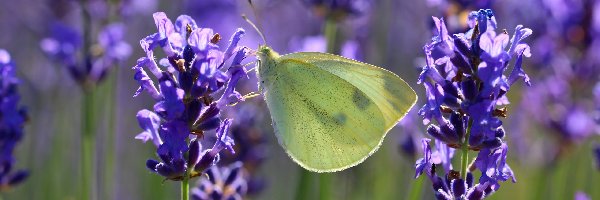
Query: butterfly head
point(267, 60)
point(265, 53)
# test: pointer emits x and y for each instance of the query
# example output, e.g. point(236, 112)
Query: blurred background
point(552, 126)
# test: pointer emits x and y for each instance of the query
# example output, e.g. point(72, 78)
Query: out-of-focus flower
point(12, 119)
point(408, 143)
point(456, 12)
point(130, 8)
point(190, 80)
point(105, 49)
point(222, 183)
point(465, 79)
point(579, 195)
point(338, 9)
point(349, 49)
point(566, 66)
point(223, 16)
point(251, 144)
point(63, 44)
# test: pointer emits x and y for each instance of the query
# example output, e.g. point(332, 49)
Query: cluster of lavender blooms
point(12, 119)
point(191, 76)
point(464, 81)
point(108, 48)
point(560, 104)
point(227, 182)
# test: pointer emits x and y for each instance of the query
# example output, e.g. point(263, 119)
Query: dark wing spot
point(360, 99)
point(340, 118)
point(392, 87)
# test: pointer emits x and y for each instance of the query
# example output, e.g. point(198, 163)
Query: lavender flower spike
point(11, 123)
point(465, 85)
point(185, 108)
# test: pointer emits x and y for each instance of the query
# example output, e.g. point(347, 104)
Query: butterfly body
point(329, 112)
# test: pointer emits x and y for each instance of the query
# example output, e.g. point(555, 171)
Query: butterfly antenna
point(257, 28)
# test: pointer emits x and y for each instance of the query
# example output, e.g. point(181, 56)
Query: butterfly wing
point(331, 113)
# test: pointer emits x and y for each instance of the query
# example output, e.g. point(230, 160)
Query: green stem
point(416, 190)
point(109, 156)
point(88, 122)
point(303, 184)
point(87, 144)
point(185, 183)
point(185, 187)
point(331, 35)
point(464, 157)
point(325, 186)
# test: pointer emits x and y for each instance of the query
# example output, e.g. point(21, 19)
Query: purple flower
point(220, 15)
point(226, 182)
point(494, 161)
point(114, 49)
point(454, 10)
point(559, 105)
point(150, 123)
point(451, 186)
point(424, 164)
point(251, 144)
point(199, 82)
point(130, 8)
point(339, 8)
point(408, 143)
point(349, 49)
point(465, 83)
point(441, 156)
point(12, 119)
point(65, 42)
point(579, 195)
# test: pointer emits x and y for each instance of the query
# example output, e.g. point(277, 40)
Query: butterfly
point(330, 113)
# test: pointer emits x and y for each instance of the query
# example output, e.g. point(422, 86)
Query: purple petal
point(172, 106)
point(424, 164)
point(200, 41)
point(150, 63)
point(518, 72)
point(182, 22)
point(223, 140)
point(233, 42)
point(150, 123)
point(144, 81)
